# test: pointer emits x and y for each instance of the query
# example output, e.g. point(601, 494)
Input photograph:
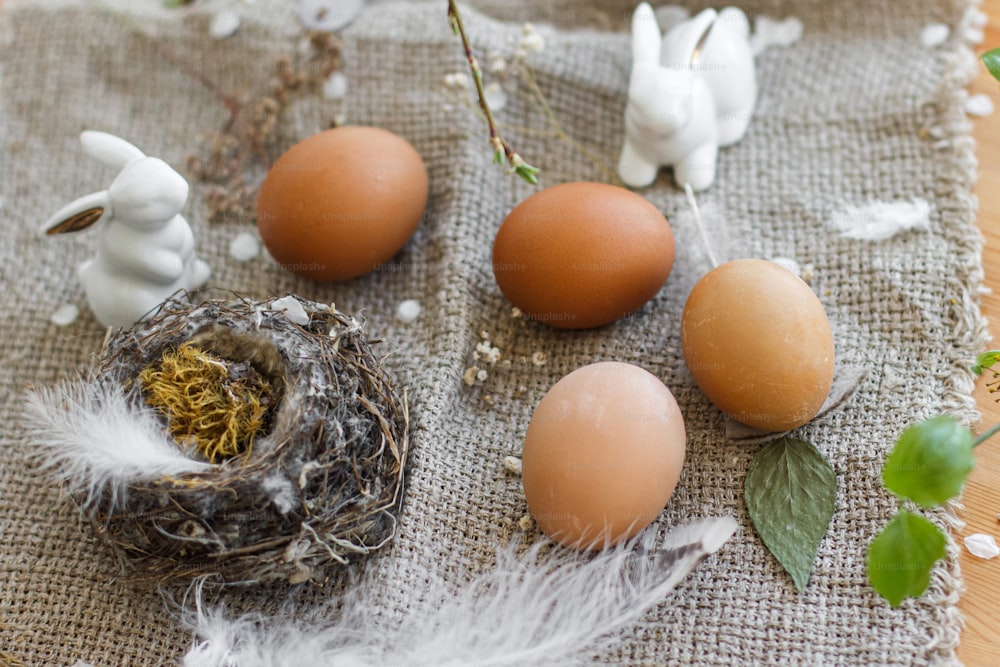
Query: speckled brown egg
point(603, 454)
point(342, 202)
point(580, 255)
point(758, 342)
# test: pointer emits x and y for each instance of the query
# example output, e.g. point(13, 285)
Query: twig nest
point(300, 433)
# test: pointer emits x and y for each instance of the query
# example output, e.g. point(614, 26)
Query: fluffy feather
point(531, 609)
point(93, 439)
point(881, 220)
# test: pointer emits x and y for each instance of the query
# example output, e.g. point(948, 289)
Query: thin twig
point(987, 435)
point(528, 74)
point(502, 150)
point(228, 101)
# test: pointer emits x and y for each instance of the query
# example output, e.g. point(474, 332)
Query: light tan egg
point(602, 455)
point(758, 342)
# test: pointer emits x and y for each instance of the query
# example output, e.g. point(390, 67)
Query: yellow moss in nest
point(215, 406)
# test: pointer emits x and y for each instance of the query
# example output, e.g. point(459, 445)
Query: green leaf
point(986, 359)
point(527, 172)
point(930, 461)
point(992, 61)
point(901, 557)
point(790, 493)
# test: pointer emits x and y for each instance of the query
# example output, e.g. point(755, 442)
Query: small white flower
point(533, 43)
point(487, 352)
point(456, 80)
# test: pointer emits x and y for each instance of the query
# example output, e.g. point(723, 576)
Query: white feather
point(881, 220)
point(93, 439)
point(532, 609)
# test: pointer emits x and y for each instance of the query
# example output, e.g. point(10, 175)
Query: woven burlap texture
point(856, 111)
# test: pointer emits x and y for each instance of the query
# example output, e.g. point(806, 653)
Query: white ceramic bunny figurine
point(145, 250)
point(690, 92)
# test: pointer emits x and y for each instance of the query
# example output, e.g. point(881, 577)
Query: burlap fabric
point(856, 111)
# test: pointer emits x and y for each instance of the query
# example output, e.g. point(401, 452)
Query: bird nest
point(300, 436)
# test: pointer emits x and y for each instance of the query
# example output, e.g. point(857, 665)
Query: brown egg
point(580, 255)
point(342, 202)
point(602, 455)
point(759, 344)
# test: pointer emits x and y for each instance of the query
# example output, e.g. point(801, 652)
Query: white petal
point(934, 34)
point(293, 309)
point(768, 32)
point(329, 15)
point(224, 24)
point(64, 315)
point(982, 546)
point(979, 105)
point(408, 311)
point(244, 247)
point(335, 87)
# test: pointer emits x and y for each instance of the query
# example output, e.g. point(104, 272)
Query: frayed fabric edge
point(971, 330)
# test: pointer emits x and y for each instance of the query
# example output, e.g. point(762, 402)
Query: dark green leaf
point(790, 493)
point(992, 61)
point(984, 361)
point(901, 557)
point(930, 461)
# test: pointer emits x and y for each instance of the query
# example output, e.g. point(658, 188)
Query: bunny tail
point(531, 609)
point(94, 440)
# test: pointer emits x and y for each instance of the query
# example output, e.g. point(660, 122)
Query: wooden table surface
point(981, 601)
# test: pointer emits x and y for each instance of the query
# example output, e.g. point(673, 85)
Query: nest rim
point(308, 496)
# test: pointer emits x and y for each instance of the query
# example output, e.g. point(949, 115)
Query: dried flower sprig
point(502, 150)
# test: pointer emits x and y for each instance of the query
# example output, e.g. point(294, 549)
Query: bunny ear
point(109, 149)
point(692, 41)
point(78, 215)
point(646, 36)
